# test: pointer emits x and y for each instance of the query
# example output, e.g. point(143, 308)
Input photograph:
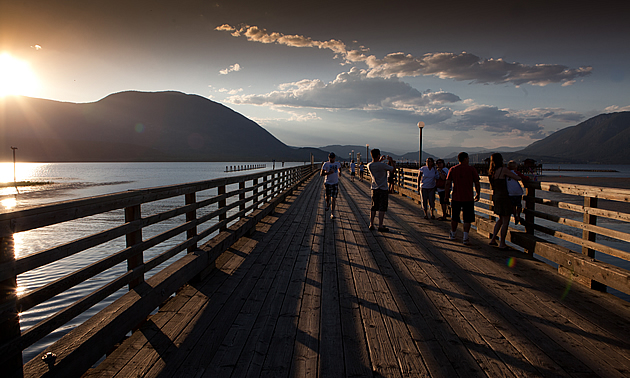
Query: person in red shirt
point(462, 178)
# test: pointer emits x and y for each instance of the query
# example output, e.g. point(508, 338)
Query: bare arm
point(512, 175)
point(477, 191)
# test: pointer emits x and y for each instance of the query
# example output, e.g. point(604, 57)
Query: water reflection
point(9, 203)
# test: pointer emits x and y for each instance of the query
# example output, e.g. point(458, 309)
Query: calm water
point(69, 181)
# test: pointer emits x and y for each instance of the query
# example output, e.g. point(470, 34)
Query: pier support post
point(10, 325)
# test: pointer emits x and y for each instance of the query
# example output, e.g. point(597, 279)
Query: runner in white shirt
point(331, 170)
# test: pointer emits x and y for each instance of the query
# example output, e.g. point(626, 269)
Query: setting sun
point(16, 77)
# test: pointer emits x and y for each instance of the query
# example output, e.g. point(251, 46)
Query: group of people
point(434, 177)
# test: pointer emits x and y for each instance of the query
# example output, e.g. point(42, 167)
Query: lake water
point(70, 181)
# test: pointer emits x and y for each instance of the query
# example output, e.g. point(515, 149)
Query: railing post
point(530, 204)
point(591, 236)
point(241, 197)
point(133, 213)
point(255, 192)
point(191, 216)
point(222, 204)
point(10, 327)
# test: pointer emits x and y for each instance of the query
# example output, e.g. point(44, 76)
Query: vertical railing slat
point(133, 213)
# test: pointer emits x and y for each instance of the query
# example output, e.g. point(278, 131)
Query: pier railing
point(582, 229)
point(219, 211)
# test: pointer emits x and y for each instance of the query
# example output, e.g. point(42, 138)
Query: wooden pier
point(309, 296)
point(305, 295)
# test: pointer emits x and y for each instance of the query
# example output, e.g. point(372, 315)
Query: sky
point(478, 74)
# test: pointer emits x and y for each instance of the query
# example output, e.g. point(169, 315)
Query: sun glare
point(16, 77)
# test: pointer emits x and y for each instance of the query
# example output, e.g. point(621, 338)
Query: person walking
point(461, 178)
point(331, 170)
point(515, 190)
point(378, 171)
point(440, 184)
point(352, 170)
point(427, 178)
point(498, 175)
point(361, 169)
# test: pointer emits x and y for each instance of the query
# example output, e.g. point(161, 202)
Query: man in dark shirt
point(462, 177)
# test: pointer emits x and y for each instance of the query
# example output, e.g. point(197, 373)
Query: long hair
point(496, 161)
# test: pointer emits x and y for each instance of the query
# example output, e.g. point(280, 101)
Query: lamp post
point(367, 153)
point(14, 179)
point(420, 127)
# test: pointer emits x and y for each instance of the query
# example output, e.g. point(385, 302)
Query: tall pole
point(14, 178)
point(367, 153)
point(420, 127)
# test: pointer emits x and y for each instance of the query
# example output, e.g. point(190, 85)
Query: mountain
point(137, 126)
point(603, 139)
point(343, 152)
point(451, 152)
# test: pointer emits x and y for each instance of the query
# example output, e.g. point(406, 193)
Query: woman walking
point(500, 197)
point(427, 178)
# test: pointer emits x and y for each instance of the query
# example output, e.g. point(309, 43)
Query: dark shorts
point(443, 197)
point(516, 201)
point(390, 179)
point(332, 190)
point(380, 199)
point(352, 174)
point(467, 207)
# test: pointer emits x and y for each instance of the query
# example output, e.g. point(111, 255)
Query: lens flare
point(511, 262)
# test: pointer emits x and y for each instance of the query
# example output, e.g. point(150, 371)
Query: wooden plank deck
point(309, 296)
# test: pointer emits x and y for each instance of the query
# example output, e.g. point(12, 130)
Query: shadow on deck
point(309, 296)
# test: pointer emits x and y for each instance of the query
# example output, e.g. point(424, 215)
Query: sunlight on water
point(8, 203)
point(23, 171)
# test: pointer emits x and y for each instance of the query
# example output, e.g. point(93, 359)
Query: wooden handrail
point(229, 213)
point(594, 273)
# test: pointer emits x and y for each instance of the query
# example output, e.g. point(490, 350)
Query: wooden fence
point(230, 209)
point(563, 230)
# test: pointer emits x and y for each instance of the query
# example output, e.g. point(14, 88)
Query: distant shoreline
point(578, 170)
point(611, 182)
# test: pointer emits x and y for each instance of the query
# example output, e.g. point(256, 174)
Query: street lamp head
point(420, 124)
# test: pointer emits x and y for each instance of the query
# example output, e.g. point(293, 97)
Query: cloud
point(540, 114)
point(495, 120)
point(230, 91)
point(461, 67)
point(232, 68)
point(616, 108)
point(350, 90)
point(469, 67)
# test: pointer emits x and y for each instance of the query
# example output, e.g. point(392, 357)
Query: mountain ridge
point(138, 126)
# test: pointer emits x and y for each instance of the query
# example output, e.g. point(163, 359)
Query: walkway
point(307, 296)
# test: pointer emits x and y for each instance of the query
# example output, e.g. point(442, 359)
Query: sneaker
point(383, 229)
point(466, 241)
point(451, 235)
